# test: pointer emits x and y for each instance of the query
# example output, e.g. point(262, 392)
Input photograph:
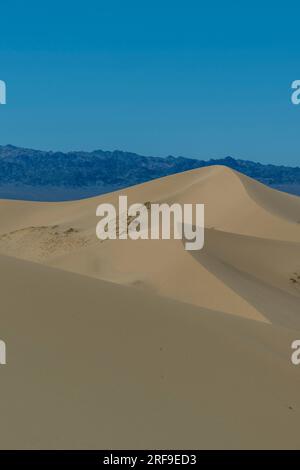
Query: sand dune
point(96, 365)
point(251, 244)
point(142, 344)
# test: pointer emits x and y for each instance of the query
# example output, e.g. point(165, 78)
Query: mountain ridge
point(53, 175)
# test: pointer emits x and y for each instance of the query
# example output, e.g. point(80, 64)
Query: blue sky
point(191, 78)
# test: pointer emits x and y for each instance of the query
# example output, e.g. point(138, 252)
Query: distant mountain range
point(45, 175)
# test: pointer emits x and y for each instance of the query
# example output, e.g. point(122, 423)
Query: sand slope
point(249, 267)
point(96, 365)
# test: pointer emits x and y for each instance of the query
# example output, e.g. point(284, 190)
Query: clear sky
point(192, 78)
